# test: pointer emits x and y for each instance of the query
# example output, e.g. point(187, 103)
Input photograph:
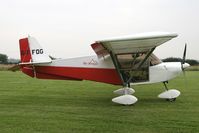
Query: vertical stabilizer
point(31, 52)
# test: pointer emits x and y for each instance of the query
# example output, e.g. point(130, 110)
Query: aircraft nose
point(185, 65)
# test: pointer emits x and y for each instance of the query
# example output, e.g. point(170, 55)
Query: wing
point(131, 44)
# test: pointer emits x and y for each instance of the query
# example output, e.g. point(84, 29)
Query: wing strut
point(116, 64)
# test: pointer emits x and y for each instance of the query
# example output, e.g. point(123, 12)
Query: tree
point(3, 59)
point(192, 62)
point(172, 59)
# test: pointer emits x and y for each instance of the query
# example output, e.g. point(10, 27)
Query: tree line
point(4, 60)
point(192, 62)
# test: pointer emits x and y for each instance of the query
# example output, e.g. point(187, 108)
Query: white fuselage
point(158, 73)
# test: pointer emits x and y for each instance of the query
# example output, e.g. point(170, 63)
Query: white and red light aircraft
point(120, 61)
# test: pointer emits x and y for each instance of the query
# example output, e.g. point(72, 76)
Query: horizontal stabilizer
point(33, 63)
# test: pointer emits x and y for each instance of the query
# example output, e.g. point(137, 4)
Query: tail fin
point(31, 52)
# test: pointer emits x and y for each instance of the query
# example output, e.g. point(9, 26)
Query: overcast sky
point(66, 28)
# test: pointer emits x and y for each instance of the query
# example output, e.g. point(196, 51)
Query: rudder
point(25, 51)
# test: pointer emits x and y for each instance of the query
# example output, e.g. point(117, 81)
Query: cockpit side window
point(130, 61)
point(130, 69)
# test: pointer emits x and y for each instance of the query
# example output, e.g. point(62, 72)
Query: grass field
point(32, 105)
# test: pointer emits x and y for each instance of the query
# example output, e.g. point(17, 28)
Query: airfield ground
point(32, 105)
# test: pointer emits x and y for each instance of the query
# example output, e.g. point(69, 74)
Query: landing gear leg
point(165, 85)
point(129, 85)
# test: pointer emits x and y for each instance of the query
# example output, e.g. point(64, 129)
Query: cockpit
point(134, 67)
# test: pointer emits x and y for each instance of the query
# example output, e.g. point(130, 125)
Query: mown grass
point(32, 105)
point(193, 68)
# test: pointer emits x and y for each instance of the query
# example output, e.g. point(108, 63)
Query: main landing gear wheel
point(126, 98)
point(171, 100)
point(169, 95)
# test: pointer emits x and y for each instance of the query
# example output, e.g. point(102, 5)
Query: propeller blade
point(184, 54)
point(184, 65)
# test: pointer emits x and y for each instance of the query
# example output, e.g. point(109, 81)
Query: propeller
point(183, 63)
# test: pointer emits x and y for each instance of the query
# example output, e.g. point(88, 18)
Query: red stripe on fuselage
point(30, 71)
point(95, 74)
point(50, 76)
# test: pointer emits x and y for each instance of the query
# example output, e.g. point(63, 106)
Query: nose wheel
point(171, 100)
point(169, 95)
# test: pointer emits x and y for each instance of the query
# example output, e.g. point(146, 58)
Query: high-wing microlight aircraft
point(124, 61)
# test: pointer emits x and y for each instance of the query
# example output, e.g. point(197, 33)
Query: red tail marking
point(24, 50)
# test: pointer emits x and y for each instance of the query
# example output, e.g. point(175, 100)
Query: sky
point(66, 28)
